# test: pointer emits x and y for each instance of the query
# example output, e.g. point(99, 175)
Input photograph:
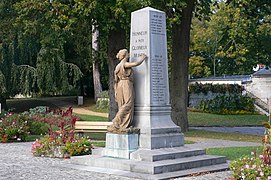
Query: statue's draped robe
point(124, 92)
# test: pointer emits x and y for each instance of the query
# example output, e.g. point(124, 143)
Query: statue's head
point(123, 53)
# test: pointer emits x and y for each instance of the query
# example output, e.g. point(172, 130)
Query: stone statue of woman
point(124, 92)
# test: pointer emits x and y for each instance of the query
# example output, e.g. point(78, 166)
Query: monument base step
point(180, 161)
point(136, 175)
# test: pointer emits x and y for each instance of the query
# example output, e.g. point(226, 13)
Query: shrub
point(102, 103)
point(234, 104)
point(39, 110)
point(103, 94)
point(215, 88)
point(38, 128)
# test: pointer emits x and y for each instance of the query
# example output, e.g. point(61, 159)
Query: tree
point(233, 38)
point(179, 64)
point(7, 14)
point(113, 19)
point(198, 68)
point(51, 23)
point(96, 63)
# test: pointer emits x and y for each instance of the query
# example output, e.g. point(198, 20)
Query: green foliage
point(102, 103)
point(233, 104)
point(54, 74)
point(81, 146)
point(38, 110)
point(232, 38)
point(3, 83)
point(38, 128)
point(103, 94)
point(197, 67)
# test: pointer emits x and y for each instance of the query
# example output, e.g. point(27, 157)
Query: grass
point(234, 153)
point(91, 118)
point(223, 135)
point(99, 143)
point(207, 119)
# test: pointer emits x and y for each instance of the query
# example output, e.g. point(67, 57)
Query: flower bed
point(57, 125)
point(257, 167)
point(48, 147)
point(14, 127)
point(61, 141)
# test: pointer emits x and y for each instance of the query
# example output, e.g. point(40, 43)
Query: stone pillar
point(152, 106)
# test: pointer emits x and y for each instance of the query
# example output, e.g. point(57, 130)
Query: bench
point(88, 126)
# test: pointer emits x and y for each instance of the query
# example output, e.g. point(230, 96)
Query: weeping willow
point(28, 69)
point(24, 77)
point(54, 75)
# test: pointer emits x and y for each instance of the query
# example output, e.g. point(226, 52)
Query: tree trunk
point(179, 66)
point(116, 41)
point(96, 64)
point(3, 102)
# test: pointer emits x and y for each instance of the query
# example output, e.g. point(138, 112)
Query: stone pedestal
point(120, 145)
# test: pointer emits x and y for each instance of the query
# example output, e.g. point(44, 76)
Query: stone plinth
point(120, 145)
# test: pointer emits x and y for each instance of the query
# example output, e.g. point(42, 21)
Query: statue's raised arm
point(124, 92)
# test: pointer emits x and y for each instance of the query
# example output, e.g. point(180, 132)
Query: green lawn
point(233, 153)
point(223, 135)
point(207, 119)
point(91, 118)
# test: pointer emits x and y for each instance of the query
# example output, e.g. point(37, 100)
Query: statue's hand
point(143, 56)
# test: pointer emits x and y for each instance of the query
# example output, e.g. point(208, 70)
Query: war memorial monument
point(151, 146)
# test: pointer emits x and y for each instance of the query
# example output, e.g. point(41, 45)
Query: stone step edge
point(165, 154)
point(150, 167)
point(176, 174)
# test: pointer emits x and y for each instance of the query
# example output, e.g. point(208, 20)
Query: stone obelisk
point(152, 104)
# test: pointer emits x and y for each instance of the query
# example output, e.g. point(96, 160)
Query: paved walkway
point(17, 162)
point(242, 130)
